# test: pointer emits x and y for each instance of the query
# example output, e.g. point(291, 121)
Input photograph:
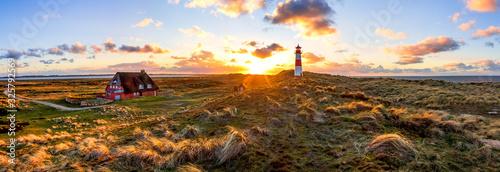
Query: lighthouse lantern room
point(298, 62)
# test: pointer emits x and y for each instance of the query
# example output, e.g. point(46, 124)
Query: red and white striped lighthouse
point(298, 61)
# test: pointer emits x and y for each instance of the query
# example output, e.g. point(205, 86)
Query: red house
point(126, 85)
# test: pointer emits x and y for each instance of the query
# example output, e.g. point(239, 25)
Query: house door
point(117, 97)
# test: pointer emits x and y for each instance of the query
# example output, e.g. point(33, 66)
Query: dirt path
point(60, 107)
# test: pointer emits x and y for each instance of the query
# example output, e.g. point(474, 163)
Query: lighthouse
point(298, 61)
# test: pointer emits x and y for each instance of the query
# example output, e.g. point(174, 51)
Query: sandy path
point(60, 107)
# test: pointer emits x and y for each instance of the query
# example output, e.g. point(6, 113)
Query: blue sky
point(204, 36)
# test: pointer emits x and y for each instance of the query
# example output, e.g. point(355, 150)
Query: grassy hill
point(281, 123)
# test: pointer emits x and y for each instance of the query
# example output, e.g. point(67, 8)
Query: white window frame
point(141, 86)
point(149, 85)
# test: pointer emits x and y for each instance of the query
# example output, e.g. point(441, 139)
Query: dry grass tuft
point(230, 112)
point(333, 110)
point(92, 149)
point(393, 143)
point(236, 143)
point(493, 133)
point(139, 157)
point(379, 110)
point(355, 95)
point(256, 130)
point(38, 159)
point(189, 168)
point(359, 106)
point(305, 116)
point(451, 126)
point(61, 147)
point(190, 131)
point(138, 133)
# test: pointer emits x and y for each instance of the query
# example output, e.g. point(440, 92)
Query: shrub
point(451, 126)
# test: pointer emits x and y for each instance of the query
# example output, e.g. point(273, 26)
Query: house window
point(141, 86)
point(149, 85)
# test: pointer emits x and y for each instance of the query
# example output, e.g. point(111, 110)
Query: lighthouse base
point(298, 71)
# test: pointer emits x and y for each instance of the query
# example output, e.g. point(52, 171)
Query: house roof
point(131, 81)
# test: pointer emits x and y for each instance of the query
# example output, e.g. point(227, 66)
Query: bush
point(355, 95)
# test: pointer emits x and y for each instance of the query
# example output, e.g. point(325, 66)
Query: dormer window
point(149, 85)
point(114, 81)
point(141, 86)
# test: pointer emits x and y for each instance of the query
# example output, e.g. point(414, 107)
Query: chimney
point(143, 71)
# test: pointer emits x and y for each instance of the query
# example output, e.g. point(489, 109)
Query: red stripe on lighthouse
point(298, 62)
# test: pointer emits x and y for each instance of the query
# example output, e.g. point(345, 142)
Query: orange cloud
point(427, 46)
point(109, 46)
point(78, 48)
point(148, 48)
point(239, 51)
point(467, 26)
point(388, 33)
point(178, 58)
point(96, 48)
point(143, 23)
point(455, 17)
point(250, 43)
point(482, 5)
point(310, 58)
point(195, 31)
point(235, 8)
point(231, 8)
point(268, 51)
point(353, 60)
point(404, 60)
point(311, 16)
point(492, 30)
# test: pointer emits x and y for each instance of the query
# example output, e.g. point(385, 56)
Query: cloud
point(96, 48)
point(492, 30)
point(55, 51)
point(404, 60)
point(248, 62)
point(158, 23)
point(341, 51)
point(488, 65)
point(148, 48)
point(47, 61)
point(195, 31)
point(427, 46)
point(204, 62)
point(144, 22)
point(311, 17)
point(250, 43)
point(233, 60)
point(388, 33)
point(267, 51)
point(310, 58)
point(353, 68)
point(352, 60)
point(178, 58)
point(151, 56)
point(455, 17)
point(78, 48)
point(235, 8)
point(460, 66)
point(173, 1)
point(231, 8)
point(229, 39)
point(467, 26)
point(239, 51)
point(11, 53)
point(482, 5)
point(109, 46)
point(489, 44)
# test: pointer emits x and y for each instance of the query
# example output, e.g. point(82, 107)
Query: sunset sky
point(384, 37)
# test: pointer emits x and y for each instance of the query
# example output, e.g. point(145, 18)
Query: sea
point(85, 77)
point(455, 79)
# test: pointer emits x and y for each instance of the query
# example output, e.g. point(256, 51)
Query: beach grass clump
point(393, 144)
point(359, 106)
point(358, 95)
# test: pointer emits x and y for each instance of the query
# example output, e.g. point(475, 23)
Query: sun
point(259, 67)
